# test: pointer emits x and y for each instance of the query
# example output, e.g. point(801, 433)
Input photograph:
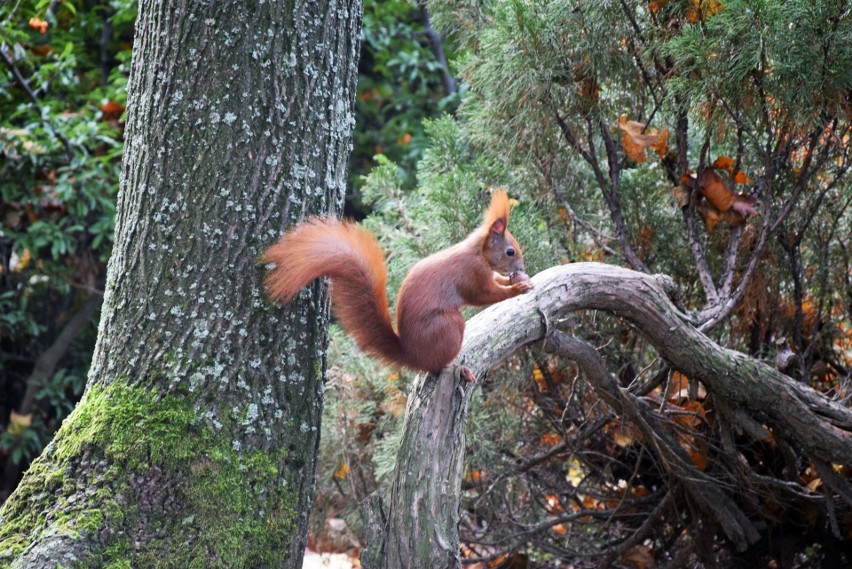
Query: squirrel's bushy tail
point(351, 256)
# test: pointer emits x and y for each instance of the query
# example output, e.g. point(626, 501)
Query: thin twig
point(695, 245)
point(597, 236)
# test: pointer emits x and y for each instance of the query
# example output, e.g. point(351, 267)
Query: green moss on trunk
point(225, 508)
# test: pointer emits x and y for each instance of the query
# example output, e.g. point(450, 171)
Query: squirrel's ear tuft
point(497, 214)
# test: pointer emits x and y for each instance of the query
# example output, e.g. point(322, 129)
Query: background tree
point(194, 444)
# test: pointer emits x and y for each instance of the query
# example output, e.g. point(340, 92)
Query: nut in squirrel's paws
point(521, 280)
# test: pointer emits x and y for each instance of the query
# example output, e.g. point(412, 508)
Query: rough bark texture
point(422, 513)
point(195, 442)
point(422, 522)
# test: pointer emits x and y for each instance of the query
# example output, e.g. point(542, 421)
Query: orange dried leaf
point(685, 419)
point(552, 504)
point(699, 459)
point(696, 408)
point(19, 423)
point(590, 503)
point(551, 439)
point(678, 386)
point(590, 253)
point(588, 88)
point(560, 529)
point(634, 140)
point(342, 471)
point(111, 110)
point(741, 178)
point(724, 163)
point(646, 235)
point(112, 107)
point(620, 436)
point(38, 24)
point(42, 50)
point(639, 557)
point(584, 78)
point(713, 187)
point(655, 5)
point(32, 216)
point(372, 95)
point(703, 9)
point(504, 561)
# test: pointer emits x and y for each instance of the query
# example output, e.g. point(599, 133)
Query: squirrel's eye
point(510, 251)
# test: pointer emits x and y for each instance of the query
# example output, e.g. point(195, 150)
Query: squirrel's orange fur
point(430, 326)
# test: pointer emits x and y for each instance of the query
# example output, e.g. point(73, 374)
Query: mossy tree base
point(127, 460)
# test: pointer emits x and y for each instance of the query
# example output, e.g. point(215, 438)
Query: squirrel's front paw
point(521, 282)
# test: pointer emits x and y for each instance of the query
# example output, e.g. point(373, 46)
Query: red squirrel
point(486, 267)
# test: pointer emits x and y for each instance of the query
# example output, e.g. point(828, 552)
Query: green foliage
point(795, 52)
point(399, 85)
point(63, 74)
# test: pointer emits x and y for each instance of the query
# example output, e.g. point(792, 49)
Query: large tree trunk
point(195, 442)
point(418, 527)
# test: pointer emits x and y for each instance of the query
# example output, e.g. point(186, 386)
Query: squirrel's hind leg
point(463, 372)
point(434, 345)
